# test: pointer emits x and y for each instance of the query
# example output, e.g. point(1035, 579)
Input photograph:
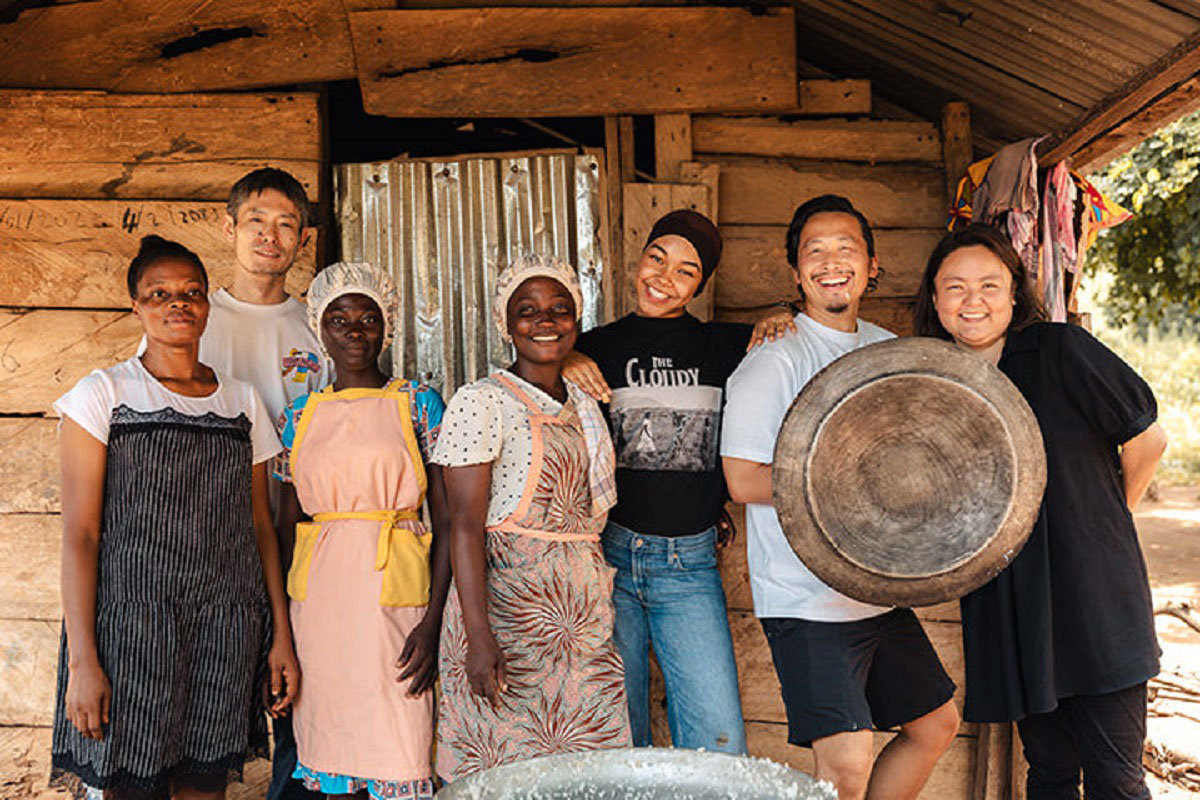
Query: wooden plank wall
point(83, 175)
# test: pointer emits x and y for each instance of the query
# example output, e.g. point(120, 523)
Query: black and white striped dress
point(182, 620)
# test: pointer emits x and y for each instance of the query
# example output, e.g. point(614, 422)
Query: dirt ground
point(1169, 526)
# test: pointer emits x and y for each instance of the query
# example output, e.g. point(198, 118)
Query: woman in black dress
point(1062, 641)
point(173, 603)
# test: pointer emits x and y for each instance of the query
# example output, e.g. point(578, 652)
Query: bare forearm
point(80, 560)
point(1139, 458)
point(268, 554)
point(470, 577)
point(748, 481)
point(439, 558)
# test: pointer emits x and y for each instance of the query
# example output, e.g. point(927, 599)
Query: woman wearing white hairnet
point(364, 617)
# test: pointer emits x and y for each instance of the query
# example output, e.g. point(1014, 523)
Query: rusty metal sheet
point(445, 229)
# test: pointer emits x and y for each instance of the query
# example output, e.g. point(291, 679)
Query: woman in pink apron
point(528, 665)
point(365, 620)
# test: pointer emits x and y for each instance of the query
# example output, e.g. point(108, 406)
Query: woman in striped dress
point(173, 601)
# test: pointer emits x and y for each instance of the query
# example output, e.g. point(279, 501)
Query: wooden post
point(672, 145)
point(957, 150)
point(615, 219)
point(626, 149)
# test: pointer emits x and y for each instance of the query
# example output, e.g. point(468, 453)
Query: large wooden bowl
point(908, 473)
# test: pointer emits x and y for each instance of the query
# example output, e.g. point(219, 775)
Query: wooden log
point(498, 62)
point(759, 191)
point(27, 671)
point(892, 313)
point(44, 353)
point(672, 145)
point(94, 144)
point(642, 205)
point(1183, 99)
point(759, 684)
point(176, 45)
point(31, 547)
point(29, 469)
point(820, 97)
point(951, 777)
point(826, 140)
point(754, 270)
point(614, 216)
point(956, 145)
point(75, 253)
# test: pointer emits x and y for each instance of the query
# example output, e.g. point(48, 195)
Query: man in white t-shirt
point(257, 333)
point(845, 667)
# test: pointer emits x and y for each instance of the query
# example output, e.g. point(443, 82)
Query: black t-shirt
point(1072, 614)
point(668, 380)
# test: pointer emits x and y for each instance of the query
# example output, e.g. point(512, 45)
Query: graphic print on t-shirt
point(663, 420)
point(298, 364)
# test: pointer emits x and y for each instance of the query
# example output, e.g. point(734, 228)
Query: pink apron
point(550, 609)
point(359, 584)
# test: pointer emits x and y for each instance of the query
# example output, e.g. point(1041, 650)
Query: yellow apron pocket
point(307, 534)
point(406, 573)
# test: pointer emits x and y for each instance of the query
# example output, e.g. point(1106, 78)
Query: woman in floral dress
point(528, 665)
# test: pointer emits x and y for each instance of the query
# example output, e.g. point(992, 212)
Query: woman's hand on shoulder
point(771, 327)
point(419, 658)
point(584, 372)
point(284, 682)
point(89, 698)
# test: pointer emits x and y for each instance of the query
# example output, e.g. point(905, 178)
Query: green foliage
point(1155, 256)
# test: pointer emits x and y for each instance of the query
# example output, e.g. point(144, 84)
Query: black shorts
point(846, 676)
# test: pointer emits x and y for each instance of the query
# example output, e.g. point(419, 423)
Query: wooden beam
point(27, 671)
point(29, 469)
point(832, 140)
point(176, 45)
point(760, 191)
point(758, 273)
point(75, 253)
point(627, 148)
point(1182, 100)
point(1163, 76)
point(31, 546)
point(44, 353)
point(957, 149)
point(497, 62)
point(831, 98)
point(191, 146)
point(614, 231)
point(672, 145)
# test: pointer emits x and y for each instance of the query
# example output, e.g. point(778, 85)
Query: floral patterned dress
point(549, 588)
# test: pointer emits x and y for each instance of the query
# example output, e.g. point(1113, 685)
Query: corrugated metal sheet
point(445, 229)
point(1027, 67)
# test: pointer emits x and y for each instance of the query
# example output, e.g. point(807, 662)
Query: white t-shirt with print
point(91, 402)
point(758, 396)
point(270, 346)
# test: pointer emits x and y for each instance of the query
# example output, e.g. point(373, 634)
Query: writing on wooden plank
point(643, 204)
point(27, 671)
point(759, 683)
point(176, 45)
point(44, 352)
point(574, 61)
point(29, 469)
point(60, 253)
point(951, 777)
point(756, 272)
point(94, 144)
point(834, 140)
point(30, 546)
point(763, 191)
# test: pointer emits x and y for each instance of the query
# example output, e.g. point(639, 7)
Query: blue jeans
point(667, 593)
